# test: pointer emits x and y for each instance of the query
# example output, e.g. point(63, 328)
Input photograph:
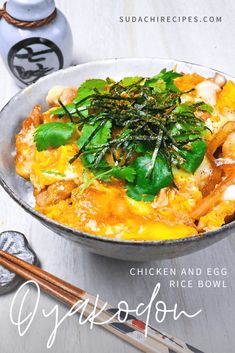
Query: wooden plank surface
point(99, 34)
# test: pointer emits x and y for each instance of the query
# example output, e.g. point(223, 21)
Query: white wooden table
point(99, 34)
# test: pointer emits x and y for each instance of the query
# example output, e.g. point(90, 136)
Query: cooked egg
point(104, 208)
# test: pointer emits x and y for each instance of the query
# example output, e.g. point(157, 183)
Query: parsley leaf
point(126, 173)
point(184, 110)
point(188, 109)
point(138, 193)
point(53, 134)
point(92, 135)
point(82, 99)
point(72, 109)
point(194, 156)
point(88, 88)
point(206, 108)
point(102, 135)
point(131, 81)
point(164, 81)
point(145, 188)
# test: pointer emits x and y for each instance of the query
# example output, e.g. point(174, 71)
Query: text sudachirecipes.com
point(170, 19)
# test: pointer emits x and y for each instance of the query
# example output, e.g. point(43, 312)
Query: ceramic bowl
point(19, 107)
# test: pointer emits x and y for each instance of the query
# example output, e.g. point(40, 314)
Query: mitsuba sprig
point(136, 130)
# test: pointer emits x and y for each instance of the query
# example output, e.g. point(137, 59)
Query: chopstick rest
point(14, 243)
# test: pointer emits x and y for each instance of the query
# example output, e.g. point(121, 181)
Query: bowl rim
point(50, 223)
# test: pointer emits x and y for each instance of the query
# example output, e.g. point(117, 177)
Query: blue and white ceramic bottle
point(35, 52)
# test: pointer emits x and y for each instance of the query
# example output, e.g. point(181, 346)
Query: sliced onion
point(227, 168)
point(213, 179)
point(214, 144)
point(220, 137)
point(227, 165)
point(220, 162)
point(208, 202)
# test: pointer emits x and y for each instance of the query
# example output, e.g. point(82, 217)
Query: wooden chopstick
point(40, 274)
point(156, 342)
point(72, 299)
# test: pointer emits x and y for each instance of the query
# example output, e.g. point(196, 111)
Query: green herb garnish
point(54, 134)
point(54, 173)
point(145, 188)
point(136, 130)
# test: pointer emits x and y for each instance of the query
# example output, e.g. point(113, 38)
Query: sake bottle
point(35, 39)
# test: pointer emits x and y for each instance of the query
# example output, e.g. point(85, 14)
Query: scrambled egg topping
point(104, 208)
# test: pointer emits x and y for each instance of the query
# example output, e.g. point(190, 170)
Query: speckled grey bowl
point(19, 107)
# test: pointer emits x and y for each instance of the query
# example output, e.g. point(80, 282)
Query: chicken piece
point(34, 118)
point(65, 94)
point(25, 146)
point(219, 79)
point(61, 190)
point(207, 90)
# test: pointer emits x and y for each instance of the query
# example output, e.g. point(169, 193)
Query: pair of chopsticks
point(131, 331)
